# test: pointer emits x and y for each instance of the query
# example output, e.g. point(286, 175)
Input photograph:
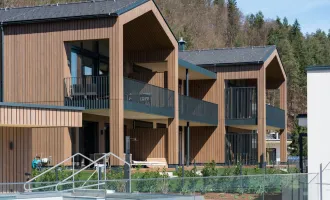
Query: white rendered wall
point(318, 110)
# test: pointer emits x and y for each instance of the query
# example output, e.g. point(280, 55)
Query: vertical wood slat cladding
point(37, 117)
point(262, 127)
point(151, 143)
point(15, 162)
point(215, 93)
point(283, 133)
point(37, 75)
point(116, 94)
point(173, 124)
point(205, 147)
point(46, 142)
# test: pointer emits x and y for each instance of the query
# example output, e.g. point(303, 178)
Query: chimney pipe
point(182, 44)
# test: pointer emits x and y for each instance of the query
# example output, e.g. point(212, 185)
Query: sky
point(311, 14)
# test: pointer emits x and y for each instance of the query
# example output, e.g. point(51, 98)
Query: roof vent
point(6, 8)
point(182, 44)
point(57, 4)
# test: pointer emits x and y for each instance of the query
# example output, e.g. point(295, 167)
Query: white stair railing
point(28, 183)
point(63, 182)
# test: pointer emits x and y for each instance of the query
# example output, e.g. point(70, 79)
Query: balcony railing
point(197, 110)
point(241, 103)
point(143, 97)
point(91, 92)
point(275, 117)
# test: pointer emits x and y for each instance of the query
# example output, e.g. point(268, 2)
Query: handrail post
point(321, 182)
point(73, 173)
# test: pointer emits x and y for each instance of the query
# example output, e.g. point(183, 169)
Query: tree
point(219, 2)
point(285, 22)
point(233, 22)
point(294, 148)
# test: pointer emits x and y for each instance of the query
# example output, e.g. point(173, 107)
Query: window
point(88, 66)
point(103, 68)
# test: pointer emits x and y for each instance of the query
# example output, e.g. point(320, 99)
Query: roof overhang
point(317, 68)
point(39, 116)
point(195, 72)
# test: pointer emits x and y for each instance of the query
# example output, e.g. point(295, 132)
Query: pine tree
point(294, 146)
point(219, 2)
point(233, 22)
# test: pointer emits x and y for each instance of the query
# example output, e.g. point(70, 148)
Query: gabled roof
point(86, 9)
point(228, 56)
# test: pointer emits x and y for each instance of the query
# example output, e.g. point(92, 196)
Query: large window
point(87, 60)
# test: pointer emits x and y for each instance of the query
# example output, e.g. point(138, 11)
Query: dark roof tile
point(69, 10)
point(228, 55)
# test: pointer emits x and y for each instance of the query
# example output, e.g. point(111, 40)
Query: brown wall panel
point(151, 143)
point(51, 142)
point(213, 91)
point(173, 124)
point(262, 114)
point(204, 145)
point(283, 133)
point(15, 162)
point(38, 117)
point(36, 76)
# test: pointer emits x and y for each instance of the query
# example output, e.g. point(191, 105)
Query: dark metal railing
point(141, 93)
point(91, 92)
point(197, 110)
point(241, 103)
point(275, 116)
point(241, 148)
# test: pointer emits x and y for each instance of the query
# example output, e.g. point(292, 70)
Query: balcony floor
point(127, 114)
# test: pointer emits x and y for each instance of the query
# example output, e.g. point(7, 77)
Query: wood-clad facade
point(27, 116)
point(38, 57)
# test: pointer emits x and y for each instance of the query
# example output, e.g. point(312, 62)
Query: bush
point(53, 176)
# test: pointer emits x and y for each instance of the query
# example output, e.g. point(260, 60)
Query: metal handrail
point(59, 164)
point(95, 162)
point(89, 178)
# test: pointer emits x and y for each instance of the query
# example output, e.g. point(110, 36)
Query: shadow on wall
point(203, 146)
point(150, 143)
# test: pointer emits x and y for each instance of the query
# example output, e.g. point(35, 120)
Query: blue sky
point(311, 14)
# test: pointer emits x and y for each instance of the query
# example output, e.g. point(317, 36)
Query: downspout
point(2, 61)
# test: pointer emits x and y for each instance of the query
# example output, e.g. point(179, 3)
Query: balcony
point(92, 92)
point(241, 106)
point(196, 110)
point(275, 117)
point(241, 109)
point(146, 98)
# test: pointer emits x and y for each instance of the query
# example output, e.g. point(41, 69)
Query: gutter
point(2, 60)
point(60, 19)
point(232, 64)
